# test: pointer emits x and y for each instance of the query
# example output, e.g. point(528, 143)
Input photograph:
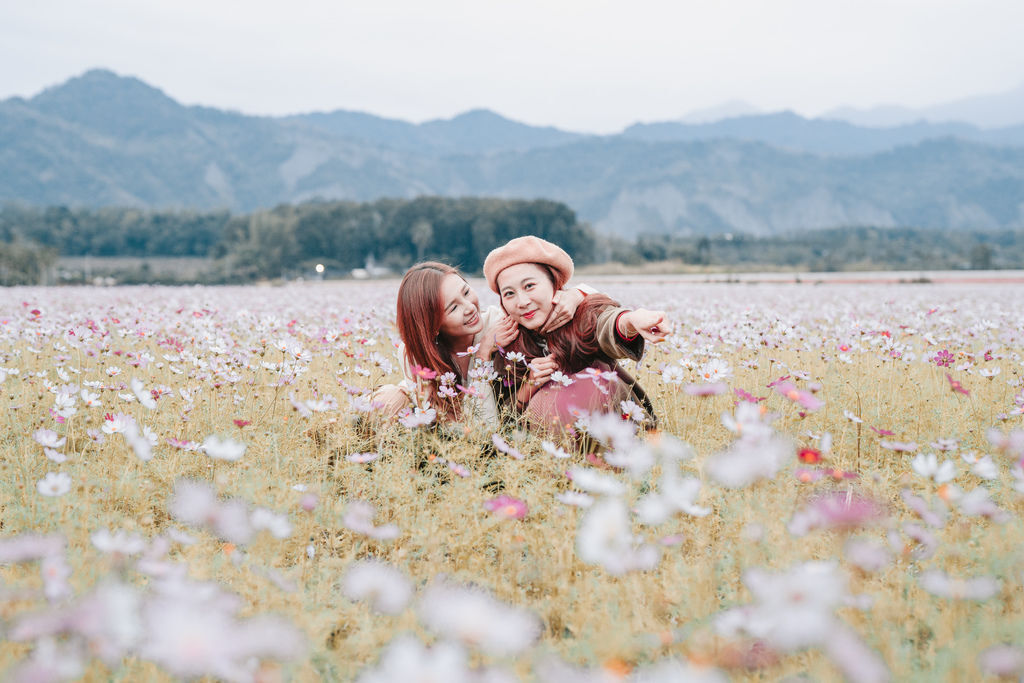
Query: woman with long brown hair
point(584, 352)
point(445, 335)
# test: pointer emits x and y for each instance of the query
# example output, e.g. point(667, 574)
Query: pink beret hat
point(528, 249)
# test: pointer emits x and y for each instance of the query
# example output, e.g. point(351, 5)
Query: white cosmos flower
point(275, 523)
point(927, 465)
point(119, 542)
point(90, 399)
point(604, 538)
point(594, 482)
point(407, 659)
point(385, 588)
point(48, 438)
point(144, 396)
point(715, 370)
point(983, 467)
point(54, 484)
point(555, 451)
point(223, 449)
point(477, 619)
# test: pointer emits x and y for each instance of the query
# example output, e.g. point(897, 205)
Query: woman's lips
point(529, 316)
point(472, 321)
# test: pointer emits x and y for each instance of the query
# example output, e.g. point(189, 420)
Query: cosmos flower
point(1006, 661)
point(869, 555)
point(118, 543)
point(792, 610)
point(475, 618)
point(418, 417)
point(902, 447)
point(575, 499)
point(836, 510)
point(359, 516)
point(553, 450)
point(503, 447)
point(927, 465)
point(385, 588)
point(192, 630)
point(940, 584)
point(712, 389)
point(407, 659)
point(48, 438)
point(223, 449)
point(593, 481)
point(749, 459)
point(506, 507)
point(604, 538)
point(715, 370)
point(54, 484)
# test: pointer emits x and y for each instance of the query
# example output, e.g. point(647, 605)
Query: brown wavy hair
point(419, 316)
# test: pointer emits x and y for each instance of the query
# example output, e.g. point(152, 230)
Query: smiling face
point(526, 293)
point(460, 315)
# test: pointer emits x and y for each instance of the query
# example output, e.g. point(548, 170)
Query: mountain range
point(104, 139)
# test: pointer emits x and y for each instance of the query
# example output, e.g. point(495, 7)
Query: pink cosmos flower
point(805, 399)
point(506, 507)
point(903, 447)
point(713, 389)
point(883, 432)
point(956, 386)
point(1002, 660)
point(504, 447)
point(943, 359)
point(842, 511)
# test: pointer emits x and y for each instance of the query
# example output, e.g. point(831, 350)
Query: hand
point(505, 331)
point(565, 302)
point(648, 324)
point(541, 369)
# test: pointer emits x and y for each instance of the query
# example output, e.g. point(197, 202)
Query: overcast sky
point(585, 65)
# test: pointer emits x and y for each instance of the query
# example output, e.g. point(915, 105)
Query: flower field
point(194, 483)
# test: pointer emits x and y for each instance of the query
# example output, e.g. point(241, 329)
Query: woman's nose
point(522, 300)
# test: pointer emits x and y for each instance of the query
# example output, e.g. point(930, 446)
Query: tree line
point(289, 240)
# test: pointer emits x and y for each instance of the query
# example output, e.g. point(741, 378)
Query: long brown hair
point(574, 346)
point(420, 312)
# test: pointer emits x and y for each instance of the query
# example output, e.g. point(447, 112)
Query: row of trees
point(289, 240)
point(855, 248)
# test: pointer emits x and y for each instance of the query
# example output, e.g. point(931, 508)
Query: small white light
point(319, 267)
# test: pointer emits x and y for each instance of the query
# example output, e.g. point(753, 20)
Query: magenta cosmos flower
point(507, 507)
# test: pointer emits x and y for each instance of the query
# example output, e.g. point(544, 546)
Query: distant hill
point(997, 110)
point(101, 139)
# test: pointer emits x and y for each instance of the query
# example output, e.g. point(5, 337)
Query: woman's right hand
point(650, 325)
point(505, 331)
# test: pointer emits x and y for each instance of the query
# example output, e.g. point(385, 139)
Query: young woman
point(444, 332)
point(524, 273)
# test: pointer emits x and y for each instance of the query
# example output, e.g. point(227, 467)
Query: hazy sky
point(586, 65)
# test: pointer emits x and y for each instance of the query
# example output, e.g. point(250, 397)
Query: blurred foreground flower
point(940, 584)
point(836, 510)
point(359, 516)
point(385, 588)
point(474, 617)
point(506, 507)
point(54, 484)
point(222, 449)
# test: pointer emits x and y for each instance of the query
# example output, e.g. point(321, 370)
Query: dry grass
point(589, 616)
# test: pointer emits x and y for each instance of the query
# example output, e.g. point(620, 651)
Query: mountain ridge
point(104, 139)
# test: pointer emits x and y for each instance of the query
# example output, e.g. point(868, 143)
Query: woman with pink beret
point(553, 377)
